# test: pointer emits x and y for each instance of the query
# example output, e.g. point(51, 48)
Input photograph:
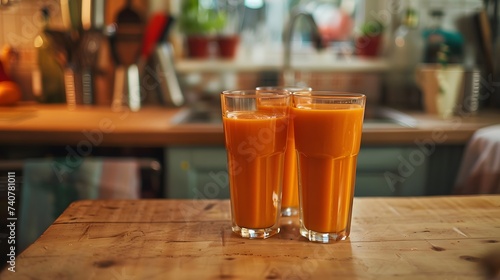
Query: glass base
point(323, 237)
point(260, 233)
point(289, 211)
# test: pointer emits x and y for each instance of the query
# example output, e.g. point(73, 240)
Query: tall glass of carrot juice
point(290, 198)
point(255, 129)
point(327, 131)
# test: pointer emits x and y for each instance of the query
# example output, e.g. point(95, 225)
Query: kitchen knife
point(169, 83)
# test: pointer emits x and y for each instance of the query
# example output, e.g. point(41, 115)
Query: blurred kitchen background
point(385, 74)
point(91, 52)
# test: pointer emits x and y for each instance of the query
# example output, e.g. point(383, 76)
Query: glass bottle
point(434, 37)
point(48, 75)
point(407, 44)
point(437, 39)
point(405, 53)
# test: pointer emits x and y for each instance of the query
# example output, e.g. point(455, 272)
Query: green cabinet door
point(391, 171)
point(201, 172)
point(196, 172)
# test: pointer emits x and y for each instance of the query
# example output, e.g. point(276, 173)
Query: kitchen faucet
point(288, 74)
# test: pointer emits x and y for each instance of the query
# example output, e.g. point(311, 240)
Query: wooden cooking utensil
point(126, 45)
point(486, 40)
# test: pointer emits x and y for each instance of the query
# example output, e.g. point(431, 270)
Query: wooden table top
point(391, 238)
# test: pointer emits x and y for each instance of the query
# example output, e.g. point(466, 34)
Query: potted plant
point(228, 38)
point(369, 40)
point(199, 24)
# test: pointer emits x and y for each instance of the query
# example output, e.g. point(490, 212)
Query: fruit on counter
point(10, 93)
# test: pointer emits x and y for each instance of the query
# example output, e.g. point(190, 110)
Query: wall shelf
point(316, 63)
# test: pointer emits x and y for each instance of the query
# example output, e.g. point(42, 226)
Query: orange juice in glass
point(255, 131)
point(328, 128)
point(290, 198)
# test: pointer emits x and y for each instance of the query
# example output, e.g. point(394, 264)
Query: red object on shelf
point(228, 45)
point(368, 46)
point(198, 46)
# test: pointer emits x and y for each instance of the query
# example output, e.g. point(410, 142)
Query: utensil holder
point(441, 86)
point(127, 88)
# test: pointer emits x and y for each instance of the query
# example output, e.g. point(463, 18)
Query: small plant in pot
point(228, 38)
point(369, 40)
point(199, 24)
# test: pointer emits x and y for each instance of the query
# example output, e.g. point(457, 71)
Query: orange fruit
point(10, 93)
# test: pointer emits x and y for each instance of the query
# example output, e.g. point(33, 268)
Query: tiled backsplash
point(20, 23)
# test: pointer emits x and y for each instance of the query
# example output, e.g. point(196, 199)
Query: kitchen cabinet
point(444, 164)
point(391, 171)
point(382, 171)
point(148, 160)
point(201, 171)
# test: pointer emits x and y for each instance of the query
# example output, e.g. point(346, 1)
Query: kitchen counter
point(391, 238)
point(301, 62)
point(155, 126)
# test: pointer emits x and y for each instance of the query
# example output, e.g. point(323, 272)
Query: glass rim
point(329, 94)
point(254, 93)
point(291, 89)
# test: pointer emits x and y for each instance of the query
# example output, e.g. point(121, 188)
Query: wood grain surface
point(391, 238)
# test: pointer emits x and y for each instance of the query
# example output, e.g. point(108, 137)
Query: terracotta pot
point(368, 46)
point(227, 45)
point(198, 46)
